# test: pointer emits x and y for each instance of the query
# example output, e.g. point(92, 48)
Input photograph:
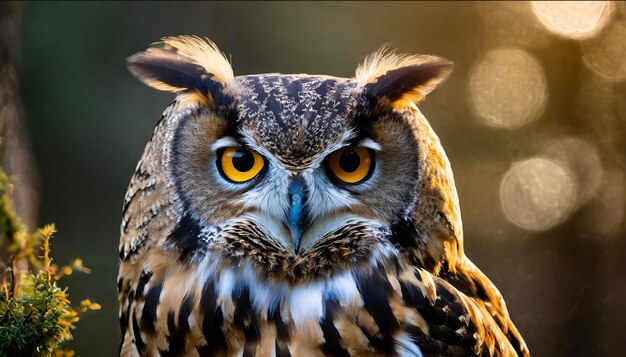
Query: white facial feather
point(329, 224)
point(224, 142)
point(270, 196)
point(324, 197)
point(272, 227)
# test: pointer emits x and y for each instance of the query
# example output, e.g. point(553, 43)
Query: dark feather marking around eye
point(186, 236)
point(332, 338)
point(211, 323)
point(148, 315)
point(137, 335)
point(180, 155)
point(376, 290)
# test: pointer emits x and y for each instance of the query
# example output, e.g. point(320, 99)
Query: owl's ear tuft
point(185, 64)
point(393, 80)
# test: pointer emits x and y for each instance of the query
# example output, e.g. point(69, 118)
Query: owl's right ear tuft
point(185, 64)
point(392, 80)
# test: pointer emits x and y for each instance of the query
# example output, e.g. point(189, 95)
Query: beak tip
point(296, 235)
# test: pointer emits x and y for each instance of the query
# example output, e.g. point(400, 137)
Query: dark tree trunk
point(15, 159)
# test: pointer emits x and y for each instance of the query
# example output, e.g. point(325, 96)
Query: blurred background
point(533, 121)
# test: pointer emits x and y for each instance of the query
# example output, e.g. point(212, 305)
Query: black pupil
point(349, 161)
point(243, 160)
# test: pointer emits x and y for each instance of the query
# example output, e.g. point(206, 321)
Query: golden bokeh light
point(512, 23)
point(607, 214)
point(621, 105)
point(573, 19)
point(580, 158)
point(598, 103)
point(606, 53)
point(537, 194)
point(507, 88)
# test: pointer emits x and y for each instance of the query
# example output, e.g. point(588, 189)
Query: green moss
point(36, 321)
point(36, 316)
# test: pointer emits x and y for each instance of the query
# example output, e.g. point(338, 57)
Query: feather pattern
point(398, 80)
point(378, 310)
point(209, 267)
point(202, 51)
point(187, 64)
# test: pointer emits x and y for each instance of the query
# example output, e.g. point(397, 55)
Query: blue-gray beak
point(297, 196)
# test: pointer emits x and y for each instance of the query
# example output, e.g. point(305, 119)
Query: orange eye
point(239, 164)
point(351, 164)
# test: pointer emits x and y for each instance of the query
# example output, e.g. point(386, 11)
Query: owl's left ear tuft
point(396, 81)
point(185, 64)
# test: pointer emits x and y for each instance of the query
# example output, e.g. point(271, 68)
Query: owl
point(298, 215)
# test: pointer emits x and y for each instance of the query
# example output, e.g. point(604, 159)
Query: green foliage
point(37, 321)
point(36, 316)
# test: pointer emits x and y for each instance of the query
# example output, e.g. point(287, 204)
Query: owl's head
point(297, 176)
